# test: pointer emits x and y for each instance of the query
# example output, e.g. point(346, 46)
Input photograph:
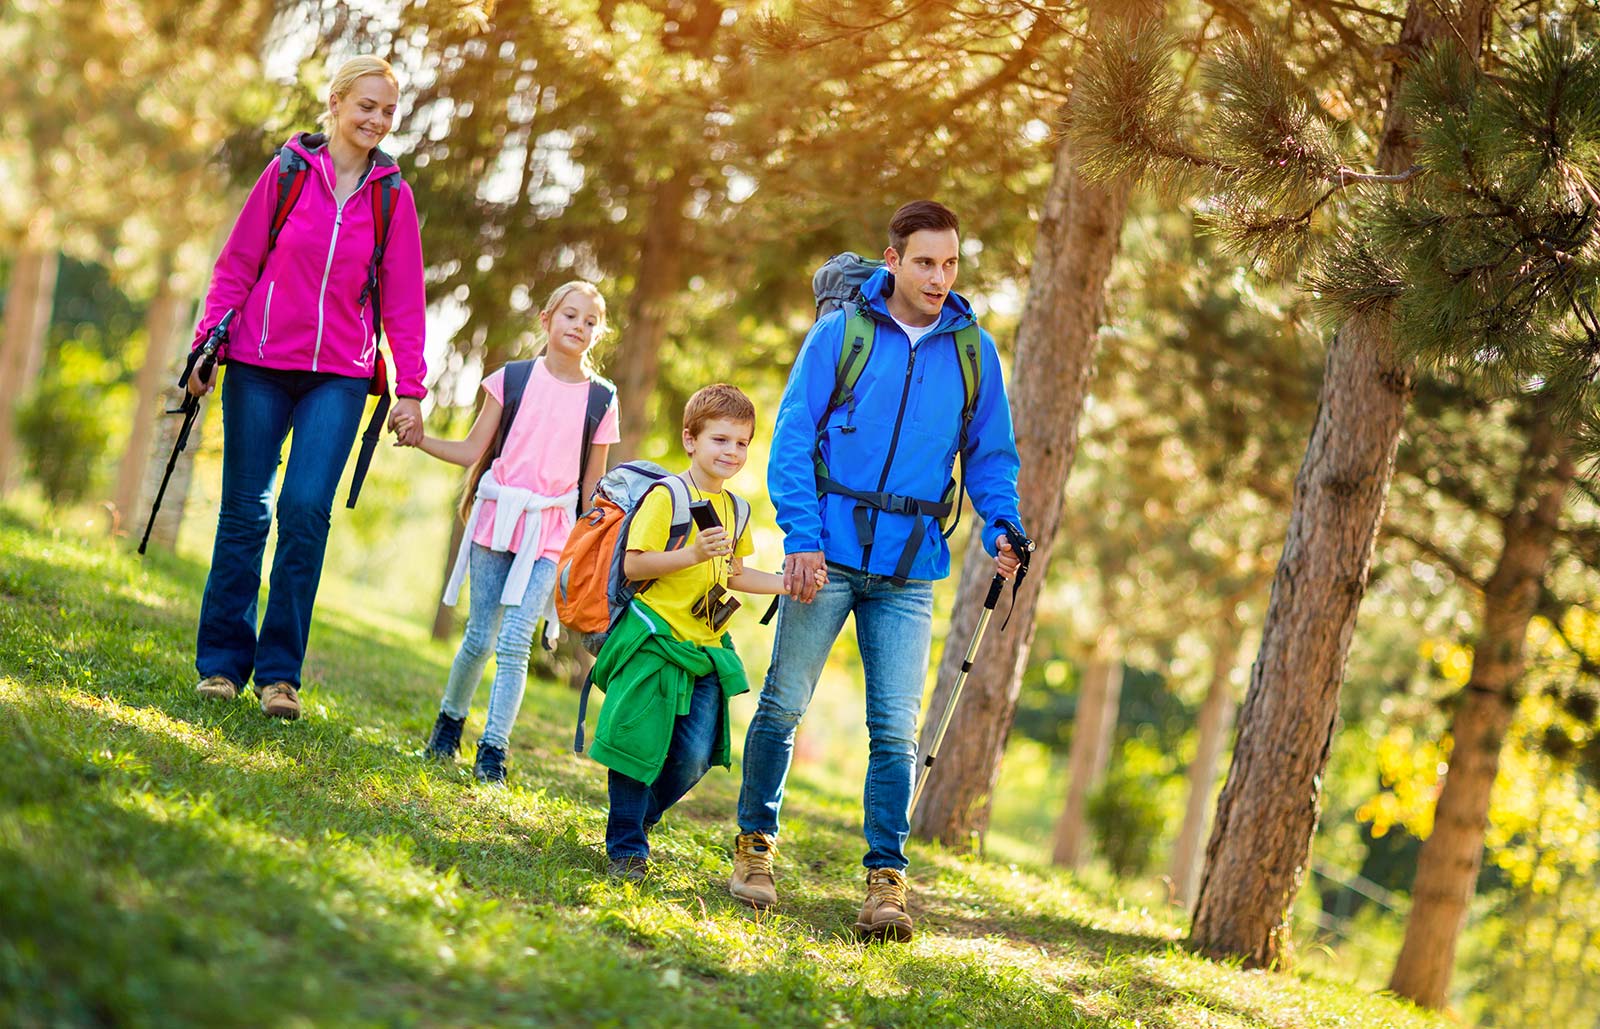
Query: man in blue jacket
point(862, 486)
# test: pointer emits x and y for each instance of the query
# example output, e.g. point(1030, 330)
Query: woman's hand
point(405, 421)
point(197, 386)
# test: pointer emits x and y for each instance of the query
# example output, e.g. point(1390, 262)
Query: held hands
point(405, 421)
point(804, 574)
point(1005, 559)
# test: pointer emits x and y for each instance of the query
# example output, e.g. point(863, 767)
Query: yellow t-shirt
point(674, 596)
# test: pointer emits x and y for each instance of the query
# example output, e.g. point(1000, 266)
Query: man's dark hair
point(917, 216)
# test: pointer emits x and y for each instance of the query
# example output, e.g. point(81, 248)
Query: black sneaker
point(631, 869)
point(491, 764)
point(444, 742)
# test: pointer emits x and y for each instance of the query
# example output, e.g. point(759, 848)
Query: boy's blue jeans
point(636, 807)
point(506, 631)
point(894, 627)
point(259, 406)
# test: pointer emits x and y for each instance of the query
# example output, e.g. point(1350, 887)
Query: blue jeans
point(635, 806)
point(259, 406)
point(894, 626)
point(505, 629)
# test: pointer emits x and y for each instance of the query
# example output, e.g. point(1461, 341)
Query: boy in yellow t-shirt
point(673, 640)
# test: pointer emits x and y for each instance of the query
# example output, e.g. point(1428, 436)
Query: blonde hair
point(469, 485)
point(347, 75)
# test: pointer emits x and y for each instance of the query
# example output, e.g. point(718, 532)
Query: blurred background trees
point(1202, 234)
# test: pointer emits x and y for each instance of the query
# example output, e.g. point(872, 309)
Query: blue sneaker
point(444, 742)
point(490, 767)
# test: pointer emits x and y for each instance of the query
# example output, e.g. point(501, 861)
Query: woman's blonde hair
point(351, 70)
point(469, 485)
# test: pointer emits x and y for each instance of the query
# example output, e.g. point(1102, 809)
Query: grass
point(165, 861)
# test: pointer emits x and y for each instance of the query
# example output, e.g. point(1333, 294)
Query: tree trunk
point(1268, 810)
point(1093, 728)
point(660, 277)
point(30, 301)
point(444, 616)
point(1216, 718)
point(1079, 230)
point(161, 331)
point(1447, 867)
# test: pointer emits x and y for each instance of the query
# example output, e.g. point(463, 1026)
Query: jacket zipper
point(894, 443)
point(266, 319)
point(327, 268)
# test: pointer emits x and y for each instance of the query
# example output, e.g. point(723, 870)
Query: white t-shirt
point(915, 332)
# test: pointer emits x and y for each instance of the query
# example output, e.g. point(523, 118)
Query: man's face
point(926, 273)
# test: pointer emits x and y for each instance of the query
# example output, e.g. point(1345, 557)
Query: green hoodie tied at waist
point(648, 676)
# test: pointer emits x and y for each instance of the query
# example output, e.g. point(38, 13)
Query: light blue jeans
point(505, 630)
point(894, 626)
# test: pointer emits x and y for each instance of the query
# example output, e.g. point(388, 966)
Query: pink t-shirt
point(541, 450)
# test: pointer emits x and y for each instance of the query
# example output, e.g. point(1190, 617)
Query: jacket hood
point(310, 145)
point(957, 313)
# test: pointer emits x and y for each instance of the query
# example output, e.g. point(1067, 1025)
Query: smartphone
point(704, 516)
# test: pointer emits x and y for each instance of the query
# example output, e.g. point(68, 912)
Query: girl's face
point(571, 327)
point(364, 115)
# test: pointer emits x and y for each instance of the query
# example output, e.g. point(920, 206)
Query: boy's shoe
point(883, 916)
point(444, 742)
point(752, 880)
point(217, 687)
point(631, 869)
point(490, 767)
point(279, 700)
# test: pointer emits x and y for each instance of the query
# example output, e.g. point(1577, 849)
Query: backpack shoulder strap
point(859, 334)
point(741, 515)
point(600, 394)
point(969, 355)
point(678, 529)
point(515, 384)
point(292, 172)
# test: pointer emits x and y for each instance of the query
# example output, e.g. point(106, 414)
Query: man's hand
point(1005, 559)
point(405, 421)
point(197, 386)
point(804, 574)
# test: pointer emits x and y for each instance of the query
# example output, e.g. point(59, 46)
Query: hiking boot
point(629, 869)
point(490, 767)
point(752, 880)
point(883, 916)
point(444, 742)
point(280, 700)
point(217, 687)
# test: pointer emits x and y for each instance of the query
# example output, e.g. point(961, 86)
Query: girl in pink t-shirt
point(521, 500)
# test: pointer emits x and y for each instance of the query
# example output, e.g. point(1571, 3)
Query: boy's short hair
point(917, 216)
point(718, 400)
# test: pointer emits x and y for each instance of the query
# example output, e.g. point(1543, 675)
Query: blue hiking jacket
point(899, 435)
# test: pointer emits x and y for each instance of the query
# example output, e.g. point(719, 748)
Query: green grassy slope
point(164, 861)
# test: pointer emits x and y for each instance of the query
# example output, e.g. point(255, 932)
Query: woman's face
point(364, 115)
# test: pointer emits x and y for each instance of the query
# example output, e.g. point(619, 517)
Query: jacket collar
point(313, 146)
point(957, 313)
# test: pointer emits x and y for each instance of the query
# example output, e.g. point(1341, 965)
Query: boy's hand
point(821, 578)
point(711, 543)
point(800, 573)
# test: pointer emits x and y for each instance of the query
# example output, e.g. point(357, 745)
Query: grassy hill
point(165, 861)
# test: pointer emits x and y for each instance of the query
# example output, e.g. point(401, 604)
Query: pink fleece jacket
point(303, 311)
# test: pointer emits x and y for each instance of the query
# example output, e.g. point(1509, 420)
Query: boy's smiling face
point(719, 450)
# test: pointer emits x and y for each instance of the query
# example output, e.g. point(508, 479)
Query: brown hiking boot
point(217, 687)
point(883, 916)
point(752, 880)
point(280, 700)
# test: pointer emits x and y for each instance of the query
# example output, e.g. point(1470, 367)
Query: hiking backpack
point(292, 173)
point(592, 591)
point(837, 285)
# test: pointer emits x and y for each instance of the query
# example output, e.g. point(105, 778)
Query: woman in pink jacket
point(300, 355)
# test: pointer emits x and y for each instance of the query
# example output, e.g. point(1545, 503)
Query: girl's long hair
point(469, 485)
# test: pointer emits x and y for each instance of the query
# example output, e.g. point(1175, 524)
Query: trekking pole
point(1024, 548)
point(189, 408)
